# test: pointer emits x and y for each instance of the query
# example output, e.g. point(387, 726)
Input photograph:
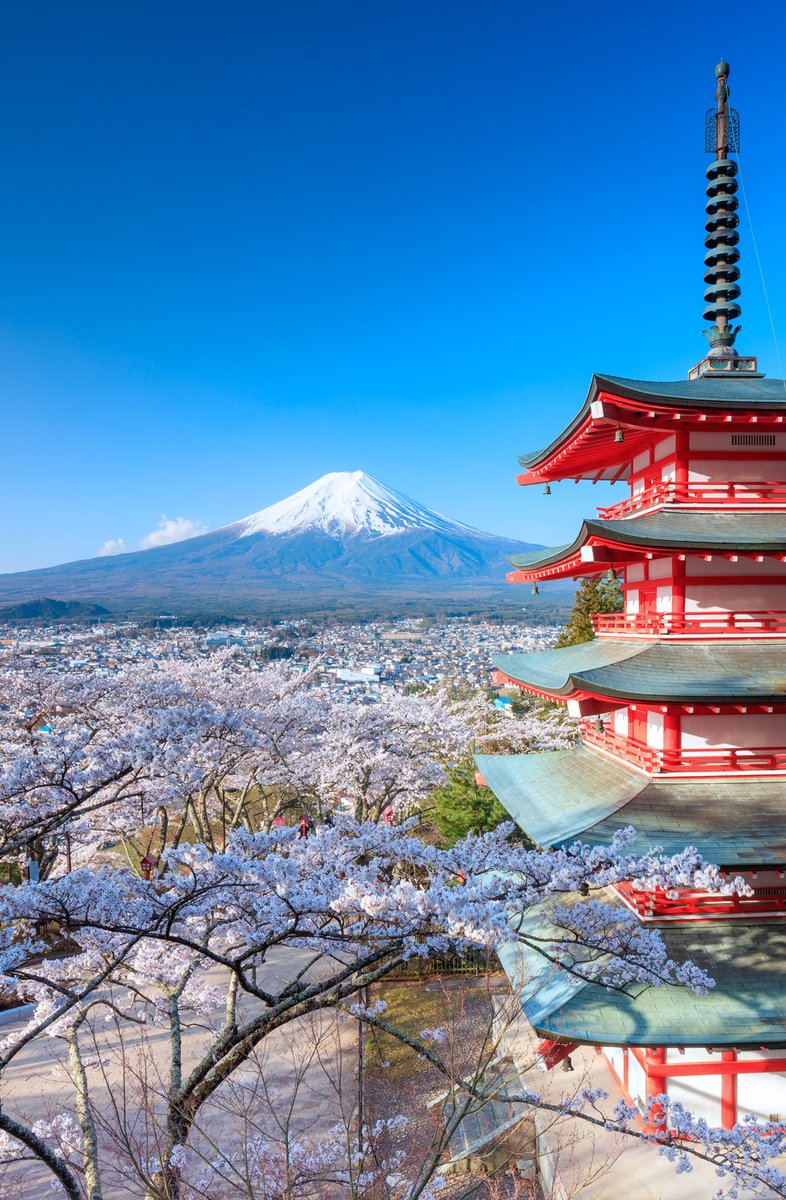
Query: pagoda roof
point(667, 530)
point(586, 448)
point(560, 796)
point(655, 672)
point(745, 1008)
point(707, 392)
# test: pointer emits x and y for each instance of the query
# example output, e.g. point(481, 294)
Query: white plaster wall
point(640, 462)
point(763, 1095)
point(637, 1087)
point(619, 721)
point(663, 600)
point(691, 1054)
point(660, 568)
point(666, 446)
point(699, 1093)
point(746, 568)
point(668, 473)
point(748, 470)
point(655, 730)
point(736, 597)
point(616, 1057)
point(632, 600)
point(722, 441)
point(734, 729)
point(634, 573)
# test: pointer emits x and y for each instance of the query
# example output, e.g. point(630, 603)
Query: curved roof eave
point(666, 530)
point(745, 1008)
point(659, 672)
point(559, 796)
point(703, 393)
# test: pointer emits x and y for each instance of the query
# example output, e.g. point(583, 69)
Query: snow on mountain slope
point(344, 535)
point(346, 502)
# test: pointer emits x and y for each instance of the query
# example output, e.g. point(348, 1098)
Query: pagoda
point(681, 699)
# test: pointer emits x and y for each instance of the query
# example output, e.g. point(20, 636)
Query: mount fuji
point(345, 535)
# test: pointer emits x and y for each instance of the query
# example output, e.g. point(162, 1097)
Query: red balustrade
point(696, 760)
point(691, 624)
point(690, 904)
point(732, 494)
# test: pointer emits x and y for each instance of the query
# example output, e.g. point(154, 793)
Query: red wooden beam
point(729, 1065)
point(551, 1053)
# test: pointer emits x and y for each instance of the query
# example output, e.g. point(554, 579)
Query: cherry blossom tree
point(199, 750)
point(389, 755)
point(354, 901)
point(195, 763)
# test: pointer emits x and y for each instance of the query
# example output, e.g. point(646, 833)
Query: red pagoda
point(681, 698)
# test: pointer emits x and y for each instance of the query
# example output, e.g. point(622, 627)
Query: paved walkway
point(302, 1083)
point(578, 1161)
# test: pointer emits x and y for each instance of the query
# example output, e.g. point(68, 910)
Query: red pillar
point(656, 1086)
point(671, 738)
point(677, 593)
point(729, 1093)
point(681, 469)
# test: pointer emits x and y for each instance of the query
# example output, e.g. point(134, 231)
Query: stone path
point(578, 1161)
point(304, 1080)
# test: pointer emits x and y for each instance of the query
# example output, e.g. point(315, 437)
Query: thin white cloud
point(172, 529)
point(111, 546)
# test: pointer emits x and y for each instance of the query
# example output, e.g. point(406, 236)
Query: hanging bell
point(535, 590)
point(611, 575)
point(547, 490)
point(619, 435)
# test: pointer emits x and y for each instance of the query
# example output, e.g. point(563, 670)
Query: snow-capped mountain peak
point(347, 502)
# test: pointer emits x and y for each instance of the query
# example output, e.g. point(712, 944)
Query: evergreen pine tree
point(596, 594)
point(461, 806)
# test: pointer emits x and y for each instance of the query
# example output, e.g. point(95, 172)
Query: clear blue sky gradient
point(244, 244)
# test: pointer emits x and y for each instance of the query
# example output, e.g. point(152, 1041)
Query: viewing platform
point(699, 625)
point(700, 760)
point(725, 494)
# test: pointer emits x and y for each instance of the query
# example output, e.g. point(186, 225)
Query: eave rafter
point(595, 436)
point(581, 703)
point(600, 554)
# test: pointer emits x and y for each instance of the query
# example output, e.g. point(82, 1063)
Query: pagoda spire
point(721, 272)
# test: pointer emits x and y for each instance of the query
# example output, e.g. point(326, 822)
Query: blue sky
point(244, 244)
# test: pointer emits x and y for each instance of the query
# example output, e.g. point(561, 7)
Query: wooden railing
point(696, 760)
point(691, 624)
point(690, 904)
point(731, 494)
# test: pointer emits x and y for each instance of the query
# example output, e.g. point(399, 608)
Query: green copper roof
point(656, 671)
point(747, 1007)
point(707, 392)
point(704, 393)
point(565, 795)
point(668, 529)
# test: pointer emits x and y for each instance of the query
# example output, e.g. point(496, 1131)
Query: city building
point(682, 699)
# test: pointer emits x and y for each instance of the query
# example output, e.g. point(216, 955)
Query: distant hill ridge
point(346, 534)
point(45, 608)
